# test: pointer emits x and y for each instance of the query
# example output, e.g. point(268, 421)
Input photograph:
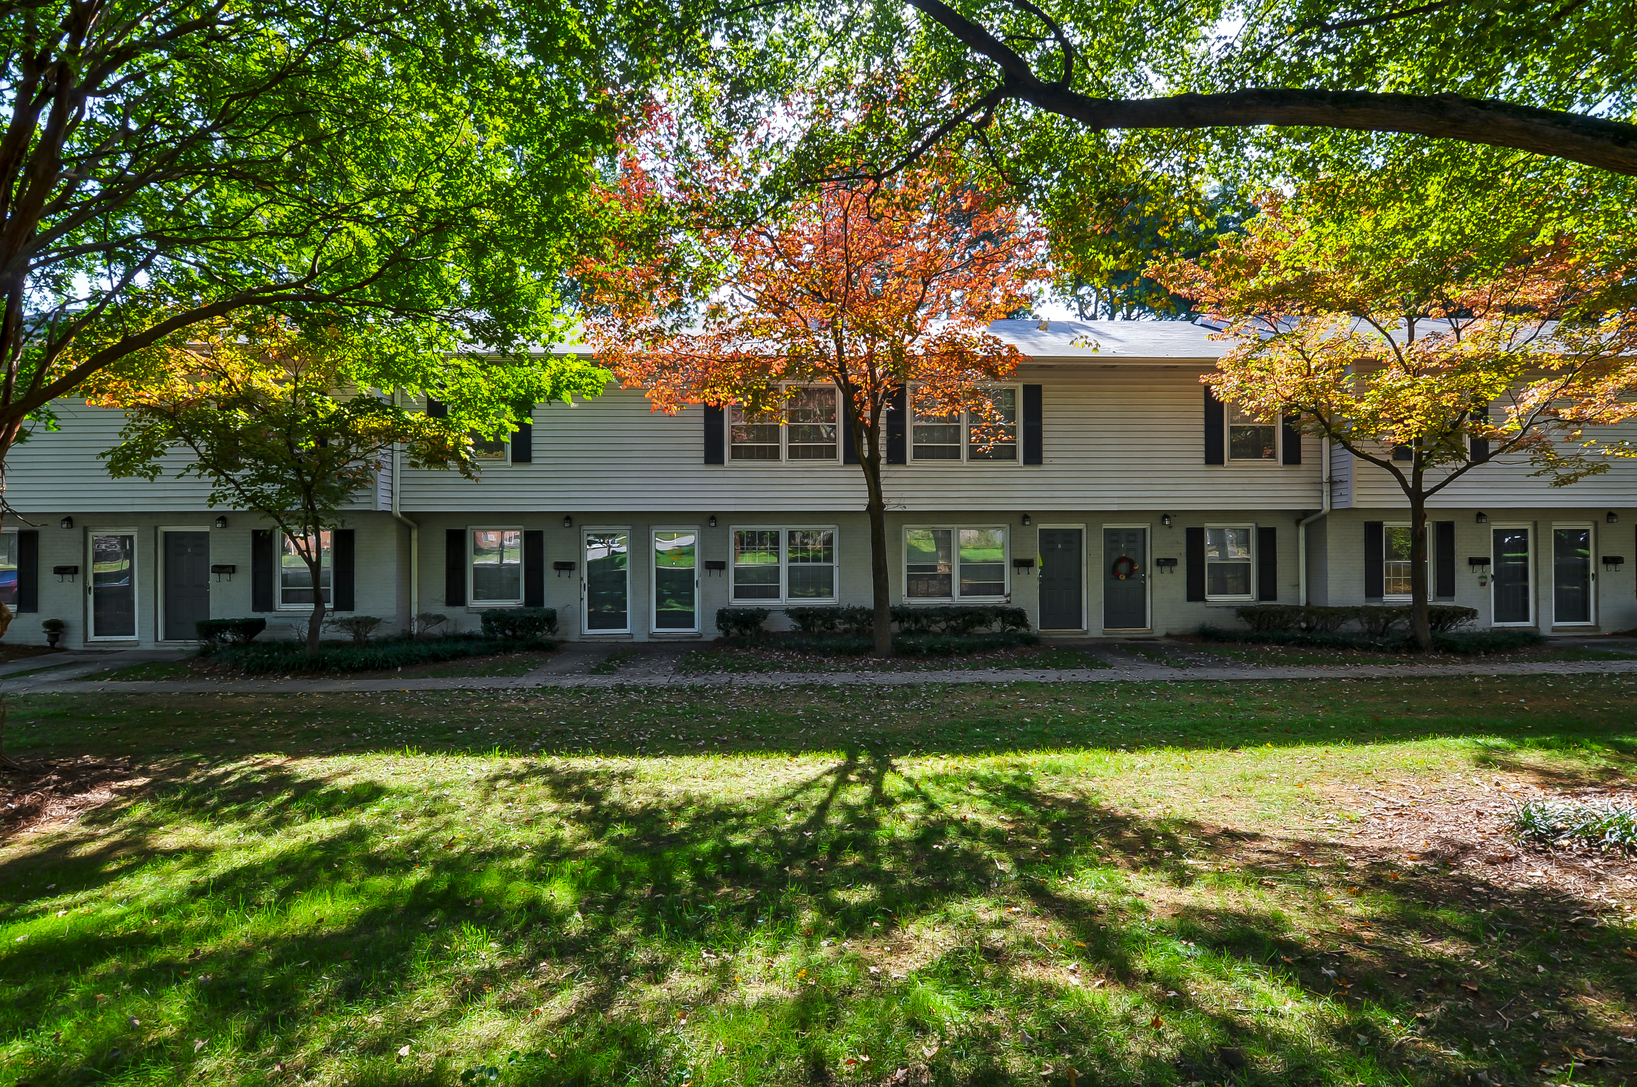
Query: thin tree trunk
point(315, 626)
point(869, 459)
point(1420, 621)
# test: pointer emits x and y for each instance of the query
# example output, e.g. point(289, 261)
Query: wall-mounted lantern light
point(221, 522)
point(712, 521)
point(568, 522)
point(1165, 519)
point(1026, 520)
point(1483, 518)
point(67, 522)
point(1613, 518)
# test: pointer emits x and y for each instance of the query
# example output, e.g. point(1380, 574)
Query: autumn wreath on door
point(1123, 567)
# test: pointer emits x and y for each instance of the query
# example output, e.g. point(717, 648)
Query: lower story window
point(954, 563)
point(497, 566)
point(1396, 541)
point(1228, 562)
point(784, 565)
point(8, 569)
point(296, 586)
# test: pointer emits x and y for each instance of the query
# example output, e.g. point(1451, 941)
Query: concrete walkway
point(582, 665)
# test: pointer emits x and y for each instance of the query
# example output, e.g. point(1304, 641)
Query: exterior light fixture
point(568, 522)
point(712, 521)
point(1165, 519)
point(1613, 518)
point(68, 522)
point(1026, 520)
point(1483, 518)
point(221, 522)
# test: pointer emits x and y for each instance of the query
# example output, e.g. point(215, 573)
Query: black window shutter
point(523, 444)
point(343, 564)
point(1444, 559)
point(261, 570)
point(1196, 563)
point(1293, 441)
point(436, 409)
point(1033, 438)
point(897, 416)
point(1267, 563)
point(1216, 439)
point(454, 567)
point(715, 435)
point(849, 448)
point(1480, 446)
point(1375, 583)
point(534, 569)
point(28, 570)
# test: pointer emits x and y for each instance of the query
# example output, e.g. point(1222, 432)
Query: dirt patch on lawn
point(1465, 831)
point(51, 797)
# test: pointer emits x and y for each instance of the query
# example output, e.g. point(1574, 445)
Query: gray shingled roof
point(1043, 340)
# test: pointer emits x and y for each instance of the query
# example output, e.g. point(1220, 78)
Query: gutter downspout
point(1301, 526)
point(414, 530)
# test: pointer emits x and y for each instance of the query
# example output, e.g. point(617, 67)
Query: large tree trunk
point(1420, 622)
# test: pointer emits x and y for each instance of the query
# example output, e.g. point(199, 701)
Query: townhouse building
point(1119, 500)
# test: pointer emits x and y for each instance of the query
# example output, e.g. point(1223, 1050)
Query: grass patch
point(1600, 824)
point(981, 884)
point(613, 662)
point(385, 654)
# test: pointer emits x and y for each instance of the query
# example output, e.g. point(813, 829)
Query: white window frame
point(1227, 443)
point(1591, 610)
point(278, 573)
point(472, 602)
point(1403, 598)
point(784, 599)
point(653, 579)
point(966, 434)
point(955, 564)
point(784, 430)
point(136, 584)
point(502, 461)
point(1249, 597)
point(11, 534)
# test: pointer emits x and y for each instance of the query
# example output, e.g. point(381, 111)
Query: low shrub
point(270, 658)
point(220, 633)
point(519, 624)
point(426, 622)
point(1486, 641)
point(1376, 621)
point(958, 619)
point(741, 622)
point(1600, 824)
point(909, 645)
point(1444, 618)
point(1263, 618)
point(360, 627)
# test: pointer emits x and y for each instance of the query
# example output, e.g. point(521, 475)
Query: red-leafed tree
point(871, 288)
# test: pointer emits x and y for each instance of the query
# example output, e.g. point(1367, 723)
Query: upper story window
point(491, 450)
point(955, 563)
point(784, 565)
point(1228, 561)
point(497, 566)
point(967, 435)
point(1249, 439)
point(295, 579)
point(810, 429)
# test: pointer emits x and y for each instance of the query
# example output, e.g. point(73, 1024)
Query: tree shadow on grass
point(629, 921)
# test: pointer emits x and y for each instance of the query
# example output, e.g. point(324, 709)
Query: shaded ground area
point(1176, 883)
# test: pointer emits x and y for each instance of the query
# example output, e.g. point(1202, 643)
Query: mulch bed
point(51, 796)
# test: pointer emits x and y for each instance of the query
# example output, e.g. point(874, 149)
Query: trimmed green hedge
point(217, 633)
point(909, 645)
point(269, 658)
point(1375, 620)
point(519, 624)
point(1462, 642)
point(741, 622)
point(956, 620)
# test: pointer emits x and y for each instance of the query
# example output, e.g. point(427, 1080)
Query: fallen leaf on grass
point(1156, 1022)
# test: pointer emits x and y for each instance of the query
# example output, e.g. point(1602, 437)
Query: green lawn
point(978, 885)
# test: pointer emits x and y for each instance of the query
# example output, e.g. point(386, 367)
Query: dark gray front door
point(1125, 578)
point(1510, 582)
point(187, 584)
point(1061, 598)
point(1571, 575)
